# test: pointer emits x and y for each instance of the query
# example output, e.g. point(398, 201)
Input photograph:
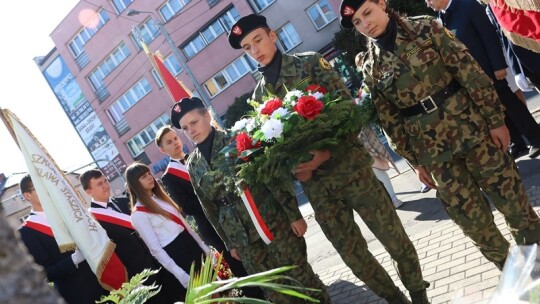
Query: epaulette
point(421, 17)
point(305, 54)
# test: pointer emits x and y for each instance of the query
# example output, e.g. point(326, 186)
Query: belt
point(227, 200)
point(432, 102)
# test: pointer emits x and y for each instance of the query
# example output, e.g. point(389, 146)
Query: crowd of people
point(445, 108)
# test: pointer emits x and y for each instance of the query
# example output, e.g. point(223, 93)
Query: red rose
point(308, 107)
point(271, 105)
point(244, 142)
point(316, 88)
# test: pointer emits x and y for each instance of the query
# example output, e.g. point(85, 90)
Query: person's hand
point(234, 254)
point(299, 227)
point(424, 177)
point(304, 176)
point(501, 137)
point(303, 171)
point(523, 83)
point(77, 257)
point(500, 74)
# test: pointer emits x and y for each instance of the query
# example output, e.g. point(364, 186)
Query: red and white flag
point(175, 88)
point(71, 224)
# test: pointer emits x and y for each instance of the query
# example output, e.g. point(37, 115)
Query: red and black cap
point(184, 106)
point(244, 26)
point(347, 9)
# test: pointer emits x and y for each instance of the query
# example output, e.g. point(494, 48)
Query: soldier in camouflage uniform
point(443, 115)
point(340, 181)
point(270, 240)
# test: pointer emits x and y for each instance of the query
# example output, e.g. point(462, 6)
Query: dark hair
point(26, 184)
point(87, 176)
point(137, 193)
point(161, 132)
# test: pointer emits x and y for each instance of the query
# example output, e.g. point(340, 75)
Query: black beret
point(347, 10)
point(182, 107)
point(244, 26)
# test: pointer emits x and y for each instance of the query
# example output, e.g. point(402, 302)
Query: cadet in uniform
point(262, 228)
point(340, 181)
point(443, 115)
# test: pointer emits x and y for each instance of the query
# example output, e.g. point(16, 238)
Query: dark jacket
point(75, 284)
point(129, 247)
point(469, 22)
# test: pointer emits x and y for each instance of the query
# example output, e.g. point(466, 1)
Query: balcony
point(122, 127)
point(102, 93)
point(82, 60)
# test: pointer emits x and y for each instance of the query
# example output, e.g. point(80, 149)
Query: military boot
point(419, 297)
point(398, 298)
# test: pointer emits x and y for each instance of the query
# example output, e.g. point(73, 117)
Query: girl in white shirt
point(159, 223)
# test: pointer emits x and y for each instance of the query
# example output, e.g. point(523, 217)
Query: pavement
point(458, 273)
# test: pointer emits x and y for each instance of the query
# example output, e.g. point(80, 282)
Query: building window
point(127, 100)
point(77, 43)
point(288, 37)
point(137, 143)
point(262, 4)
point(206, 35)
point(229, 75)
point(147, 31)
point(108, 65)
point(171, 8)
point(321, 14)
point(121, 5)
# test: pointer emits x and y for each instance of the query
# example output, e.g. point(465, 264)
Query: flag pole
point(8, 126)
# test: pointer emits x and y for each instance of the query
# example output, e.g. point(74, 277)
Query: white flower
point(250, 125)
point(279, 112)
point(239, 125)
point(294, 93)
point(272, 128)
point(317, 95)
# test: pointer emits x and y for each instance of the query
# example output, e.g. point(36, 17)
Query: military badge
point(177, 108)
point(348, 11)
point(449, 33)
point(237, 31)
point(324, 64)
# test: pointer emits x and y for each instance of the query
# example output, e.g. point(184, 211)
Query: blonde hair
point(137, 192)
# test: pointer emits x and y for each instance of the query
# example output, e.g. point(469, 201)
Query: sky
point(26, 26)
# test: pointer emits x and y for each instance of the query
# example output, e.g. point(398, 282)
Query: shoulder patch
point(305, 54)
point(449, 33)
point(324, 64)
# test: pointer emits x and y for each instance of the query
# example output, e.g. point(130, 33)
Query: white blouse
point(157, 232)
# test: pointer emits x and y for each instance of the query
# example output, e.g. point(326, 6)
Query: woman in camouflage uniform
point(442, 114)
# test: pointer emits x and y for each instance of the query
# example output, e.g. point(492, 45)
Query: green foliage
point(204, 289)
point(350, 43)
point(133, 292)
point(411, 8)
point(238, 109)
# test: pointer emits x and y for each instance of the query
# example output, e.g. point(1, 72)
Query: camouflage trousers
point(286, 250)
point(459, 186)
point(367, 196)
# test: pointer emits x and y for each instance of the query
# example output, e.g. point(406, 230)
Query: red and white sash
point(111, 216)
point(263, 230)
point(172, 216)
point(38, 223)
point(178, 169)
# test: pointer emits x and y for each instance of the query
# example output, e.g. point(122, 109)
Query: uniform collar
point(101, 204)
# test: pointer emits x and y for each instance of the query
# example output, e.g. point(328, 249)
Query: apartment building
point(111, 92)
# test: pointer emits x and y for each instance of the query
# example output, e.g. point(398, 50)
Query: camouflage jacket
point(232, 222)
point(309, 67)
point(420, 67)
point(346, 161)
